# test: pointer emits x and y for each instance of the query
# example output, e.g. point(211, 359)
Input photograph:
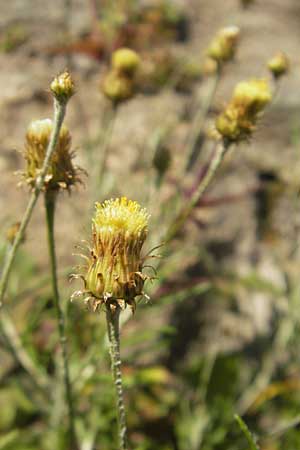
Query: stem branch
point(194, 146)
point(203, 185)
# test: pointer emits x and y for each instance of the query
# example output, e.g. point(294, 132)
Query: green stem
point(59, 114)
point(215, 162)
point(194, 146)
point(15, 345)
point(50, 199)
point(114, 350)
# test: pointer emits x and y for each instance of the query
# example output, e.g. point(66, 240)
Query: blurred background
point(220, 333)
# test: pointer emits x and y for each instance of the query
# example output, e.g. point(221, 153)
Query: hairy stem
point(59, 114)
point(114, 350)
point(194, 145)
point(50, 212)
point(214, 164)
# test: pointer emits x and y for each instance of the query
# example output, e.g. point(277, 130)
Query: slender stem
point(194, 146)
point(114, 350)
point(215, 162)
point(19, 353)
point(59, 113)
point(50, 199)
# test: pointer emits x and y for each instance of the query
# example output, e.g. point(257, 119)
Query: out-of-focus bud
point(117, 87)
point(62, 87)
point(223, 46)
point(125, 61)
point(252, 95)
point(239, 118)
point(279, 65)
point(162, 160)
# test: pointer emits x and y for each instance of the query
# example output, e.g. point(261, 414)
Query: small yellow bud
point(61, 173)
point(279, 65)
point(114, 274)
point(117, 87)
point(252, 95)
point(125, 61)
point(233, 124)
point(62, 87)
point(223, 46)
point(239, 118)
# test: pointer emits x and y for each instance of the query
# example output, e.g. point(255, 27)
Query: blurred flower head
point(62, 174)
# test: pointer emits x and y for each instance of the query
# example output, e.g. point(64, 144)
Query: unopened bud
point(223, 46)
point(279, 65)
point(125, 61)
point(62, 87)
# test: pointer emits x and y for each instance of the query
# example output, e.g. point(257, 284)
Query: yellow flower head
point(223, 46)
point(279, 65)
point(114, 273)
point(61, 172)
point(117, 87)
point(125, 61)
point(252, 95)
point(239, 118)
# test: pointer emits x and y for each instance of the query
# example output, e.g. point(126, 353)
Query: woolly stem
point(50, 199)
point(114, 350)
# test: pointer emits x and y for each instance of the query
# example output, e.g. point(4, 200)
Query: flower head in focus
point(114, 272)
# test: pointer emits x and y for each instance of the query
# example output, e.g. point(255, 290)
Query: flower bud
point(62, 87)
point(239, 118)
point(61, 172)
point(223, 46)
point(114, 272)
point(252, 95)
point(117, 87)
point(125, 61)
point(279, 65)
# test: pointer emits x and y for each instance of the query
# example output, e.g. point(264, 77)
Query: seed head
point(239, 118)
point(223, 46)
point(279, 65)
point(114, 272)
point(62, 87)
point(125, 61)
point(61, 173)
